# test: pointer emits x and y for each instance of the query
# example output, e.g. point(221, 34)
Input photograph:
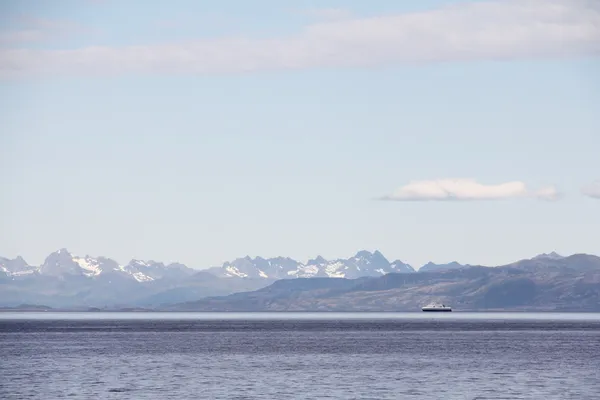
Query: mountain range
point(66, 280)
point(363, 263)
point(543, 283)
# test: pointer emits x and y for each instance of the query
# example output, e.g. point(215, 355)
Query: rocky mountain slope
point(68, 280)
point(539, 284)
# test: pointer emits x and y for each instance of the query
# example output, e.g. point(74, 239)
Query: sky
point(202, 131)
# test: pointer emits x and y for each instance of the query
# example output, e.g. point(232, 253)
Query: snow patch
point(233, 271)
point(140, 263)
point(333, 270)
point(138, 276)
point(262, 274)
point(20, 273)
point(304, 271)
point(89, 265)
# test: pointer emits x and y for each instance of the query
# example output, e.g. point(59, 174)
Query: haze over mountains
point(544, 283)
point(70, 281)
point(363, 263)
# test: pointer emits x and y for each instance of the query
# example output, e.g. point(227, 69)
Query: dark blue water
point(299, 359)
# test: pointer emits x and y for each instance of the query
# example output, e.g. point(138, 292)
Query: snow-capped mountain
point(68, 280)
point(363, 263)
point(16, 267)
point(272, 268)
point(144, 271)
point(399, 266)
point(62, 263)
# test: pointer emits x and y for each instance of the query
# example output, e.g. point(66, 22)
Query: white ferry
point(437, 307)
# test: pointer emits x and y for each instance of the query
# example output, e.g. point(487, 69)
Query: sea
point(52, 355)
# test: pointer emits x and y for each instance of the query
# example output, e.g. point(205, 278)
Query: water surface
point(215, 356)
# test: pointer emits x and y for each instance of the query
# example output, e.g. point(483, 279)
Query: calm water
point(296, 356)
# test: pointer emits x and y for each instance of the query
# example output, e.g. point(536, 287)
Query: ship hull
point(437, 310)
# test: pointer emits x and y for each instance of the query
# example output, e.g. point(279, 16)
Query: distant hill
point(429, 267)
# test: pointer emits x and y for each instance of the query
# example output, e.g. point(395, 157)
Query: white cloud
point(592, 190)
point(467, 189)
point(500, 29)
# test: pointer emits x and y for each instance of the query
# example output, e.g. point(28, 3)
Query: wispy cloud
point(592, 190)
point(501, 29)
point(468, 190)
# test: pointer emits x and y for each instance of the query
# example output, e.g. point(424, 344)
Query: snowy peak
point(90, 266)
point(17, 266)
point(63, 263)
point(367, 259)
point(138, 263)
point(399, 266)
point(316, 261)
point(363, 263)
point(146, 271)
point(59, 263)
point(19, 263)
point(247, 267)
point(240, 267)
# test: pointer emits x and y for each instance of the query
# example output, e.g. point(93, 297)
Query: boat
point(435, 307)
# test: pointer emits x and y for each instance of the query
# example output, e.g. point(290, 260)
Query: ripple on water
point(289, 360)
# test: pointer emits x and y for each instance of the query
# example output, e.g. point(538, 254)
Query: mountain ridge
point(65, 279)
point(363, 263)
point(571, 285)
point(291, 267)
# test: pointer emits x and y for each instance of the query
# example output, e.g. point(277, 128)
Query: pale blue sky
point(282, 144)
